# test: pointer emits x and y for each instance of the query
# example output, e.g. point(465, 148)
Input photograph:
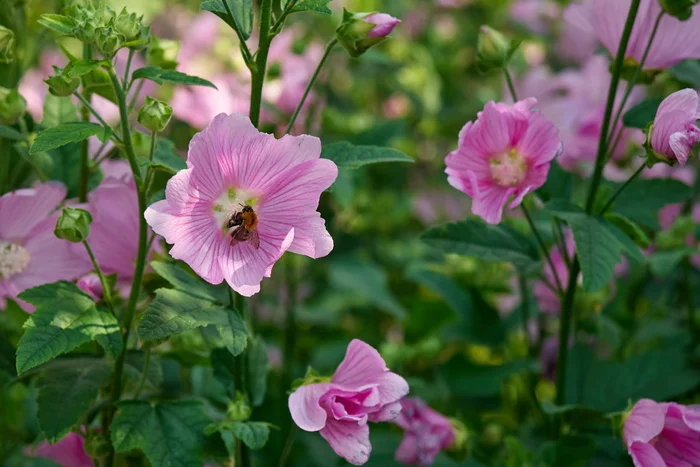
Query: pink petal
point(645, 421)
point(304, 405)
point(388, 412)
point(407, 452)
point(685, 101)
point(541, 142)
point(682, 143)
point(350, 440)
point(384, 24)
point(489, 201)
point(645, 455)
point(21, 210)
point(664, 127)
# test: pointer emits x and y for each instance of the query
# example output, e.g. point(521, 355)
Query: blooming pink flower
point(426, 432)
point(30, 254)
point(605, 19)
point(547, 300)
point(675, 131)
point(384, 24)
point(69, 452)
point(231, 164)
point(361, 390)
point(659, 434)
point(506, 152)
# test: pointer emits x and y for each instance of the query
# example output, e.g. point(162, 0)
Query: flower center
point(508, 168)
point(13, 259)
point(232, 201)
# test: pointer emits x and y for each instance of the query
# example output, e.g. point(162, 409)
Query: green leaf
point(81, 67)
point(467, 379)
point(257, 370)
point(111, 342)
point(663, 263)
point(687, 71)
point(367, 280)
point(574, 415)
point(348, 156)
point(253, 434)
point(630, 228)
point(189, 283)
point(65, 318)
point(236, 13)
point(559, 184)
point(135, 365)
point(173, 312)
point(642, 114)
point(165, 158)
point(160, 75)
point(58, 110)
point(234, 334)
point(642, 199)
point(169, 432)
point(8, 132)
point(66, 391)
point(480, 240)
point(316, 6)
point(59, 23)
point(58, 136)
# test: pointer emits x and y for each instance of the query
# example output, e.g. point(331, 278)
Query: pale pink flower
point(675, 129)
point(426, 432)
point(231, 164)
point(505, 153)
point(547, 300)
point(91, 285)
point(30, 253)
point(69, 452)
point(362, 390)
point(605, 20)
point(32, 86)
point(660, 434)
point(536, 15)
point(383, 22)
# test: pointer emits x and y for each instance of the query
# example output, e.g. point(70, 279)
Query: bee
point(245, 226)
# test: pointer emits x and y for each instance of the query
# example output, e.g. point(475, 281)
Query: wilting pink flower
point(30, 254)
point(426, 432)
point(659, 434)
point(230, 165)
point(605, 19)
point(91, 285)
point(506, 152)
point(675, 131)
point(547, 300)
point(361, 390)
point(384, 24)
point(69, 452)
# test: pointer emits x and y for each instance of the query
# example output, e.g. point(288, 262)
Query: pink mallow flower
point(383, 22)
point(426, 432)
point(675, 129)
point(506, 152)
point(69, 452)
point(660, 434)
point(231, 165)
point(30, 254)
point(91, 285)
point(605, 20)
point(361, 390)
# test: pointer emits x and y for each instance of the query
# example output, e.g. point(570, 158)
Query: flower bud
point(107, 41)
point(493, 49)
point(61, 85)
point(459, 449)
point(128, 25)
point(155, 114)
point(141, 41)
point(681, 9)
point(7, 45)
point(163, 53)
point(360, 31)
point(239, 411)
point(73, 225)
point(12, 106)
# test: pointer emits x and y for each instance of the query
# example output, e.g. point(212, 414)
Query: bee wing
point(255, 239)
point(239, 234)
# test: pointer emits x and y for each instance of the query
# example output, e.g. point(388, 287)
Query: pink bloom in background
point(675, 130)
point(231, 164)
point(432, 207)
point(384, 24)
point(30, 254)
point(536, 15)
point(547, 299)
point(505, 153)
point(454, 3)
point(426, 432)
point(659, 434)
point(69, 452)
point(91, 285)
point(361, 390)
point(605, 20)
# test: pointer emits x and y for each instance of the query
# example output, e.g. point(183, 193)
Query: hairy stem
point(261, 62)
point(106, 291)
point(509, 81)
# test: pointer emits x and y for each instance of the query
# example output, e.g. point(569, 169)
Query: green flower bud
point(73, 225)
point(459, 449)
point(155, 114)
point(681, 9)
point(494, 50)
point(61, 85)
point(239, 411)
point(12, 106)
point(141, 41)
point(163, 53)
point(358, 32)
point(128, 25)
point(7, 45)
point(107, 41)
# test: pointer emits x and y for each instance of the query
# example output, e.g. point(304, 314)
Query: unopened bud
point(155, 114)
point(107, 41)
point(73, 225)
point(239, 411)
point(358, 32)
point(681, 9)
point(494, 50)
point(61, 85)
point(12, 106)
point(128, 25)
point(7, 45)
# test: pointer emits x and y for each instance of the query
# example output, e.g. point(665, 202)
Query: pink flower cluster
point(426, 432)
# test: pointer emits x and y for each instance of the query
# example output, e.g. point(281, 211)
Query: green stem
point(612, 92)
point(565, 331)
point(261, 62)
point(146, 365)
point(125, 81)
point(239, 372)
point(511, 88)
point(85, 145)
point(309, 86)
point(287, 446)
point(106, 290)
point(290, 332)
point(135, 97)
point(543, 247)
point(622, 188)
point(142, 248)
point(277, 27)
point(245, 51)
point(525, 308)
point(99, 118)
